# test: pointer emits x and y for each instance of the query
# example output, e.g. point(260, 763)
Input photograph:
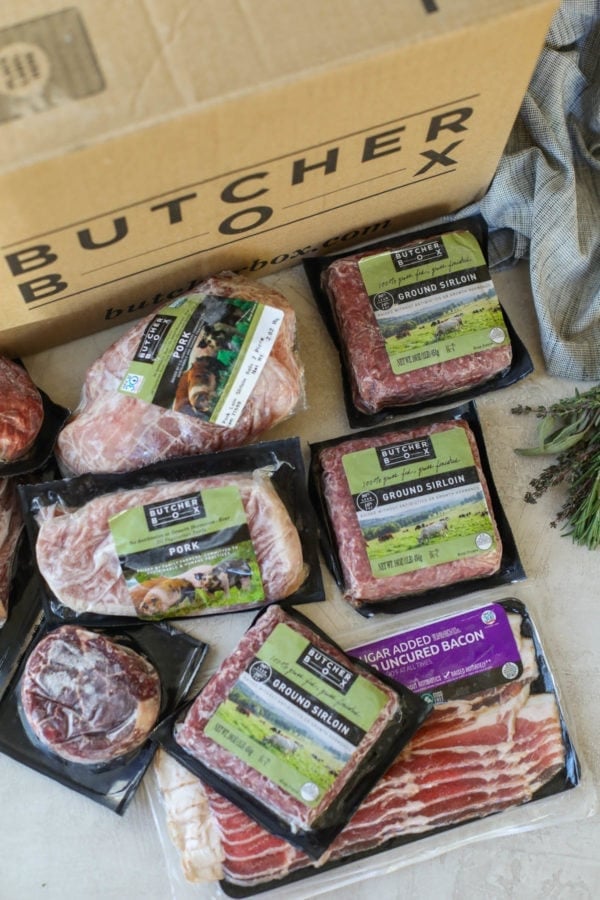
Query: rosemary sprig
point(570, 430)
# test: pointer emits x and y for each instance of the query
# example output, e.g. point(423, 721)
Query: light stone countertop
point(57, 845)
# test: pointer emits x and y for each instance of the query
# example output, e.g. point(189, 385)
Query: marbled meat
point(116, 432)
point(21, 411)
point(77, 557)
point(87, 698)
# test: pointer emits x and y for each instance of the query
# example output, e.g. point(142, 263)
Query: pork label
point(451, 657)
point(295, 716)
point(202, 355)
point(187, 554)
point(433, 301)
point(430, 510)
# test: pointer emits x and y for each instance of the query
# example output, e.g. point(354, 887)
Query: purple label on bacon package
point(451, 657)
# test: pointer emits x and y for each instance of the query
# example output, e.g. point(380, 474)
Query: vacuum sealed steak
point(11, 527)
point(410, 510)
point(495, 740)
point(174, 548)
point(21, 411)
point(417, 320)
point(88, 698)
point(210, 370)
point(294, 730)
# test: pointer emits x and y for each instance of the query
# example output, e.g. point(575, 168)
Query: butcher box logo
point(226, 208)
point(419, 254)
point(173, 512)
point(153, 339)
point(327, 669)
point(405, 453)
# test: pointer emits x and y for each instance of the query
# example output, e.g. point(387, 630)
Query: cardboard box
point(147, 143)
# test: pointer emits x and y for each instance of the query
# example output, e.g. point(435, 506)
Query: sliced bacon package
point(410, 512)
point(495, 755)
point(82, 703)
point(29, 421)
point(198, 536)
point(292, 731)
point(417, 321)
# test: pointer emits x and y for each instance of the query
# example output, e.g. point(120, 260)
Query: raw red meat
point(464, 777)
point(91, 579)
point(373, 383)
point(88, 698)
point(361, 586)
point(191, 733)
point(11, 526)
point(116, 432)
point(21, 411)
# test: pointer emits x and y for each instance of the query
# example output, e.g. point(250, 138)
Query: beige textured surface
point(57, 844)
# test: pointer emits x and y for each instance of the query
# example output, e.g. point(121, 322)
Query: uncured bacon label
point(433, 301)
point(451, 657)
point(202, 355)
point(419, 503)
point(187, 554)
point(296, 715)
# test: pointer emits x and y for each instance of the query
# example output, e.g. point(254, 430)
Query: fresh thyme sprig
point(570, 429)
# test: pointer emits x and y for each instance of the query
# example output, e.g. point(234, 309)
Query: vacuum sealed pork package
point(495, 756)
point(189, 537)
point(83, 702)
point(293, 731)
point(210, 370)
point(411, 514)
point(417, 320)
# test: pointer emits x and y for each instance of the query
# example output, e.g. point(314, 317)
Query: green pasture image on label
point(296, 715)
point(419, 503)
point(433, 301)
point(188, 554)
point(202, 355)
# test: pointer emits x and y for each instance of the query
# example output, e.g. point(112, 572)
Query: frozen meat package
point(417, 320)
point(495, 756)
point(212, 534)
point(293, 731)
point(211, 369)
point(410, 512)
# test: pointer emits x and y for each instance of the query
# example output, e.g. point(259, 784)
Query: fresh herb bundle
point(570, 429)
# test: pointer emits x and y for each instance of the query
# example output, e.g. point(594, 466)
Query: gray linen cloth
point(544, 201)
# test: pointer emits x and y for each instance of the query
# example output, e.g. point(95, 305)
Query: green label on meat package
point(188, 555)
point(419, 502)
point(202, 355)
point(434, 301)
point(296, 715)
